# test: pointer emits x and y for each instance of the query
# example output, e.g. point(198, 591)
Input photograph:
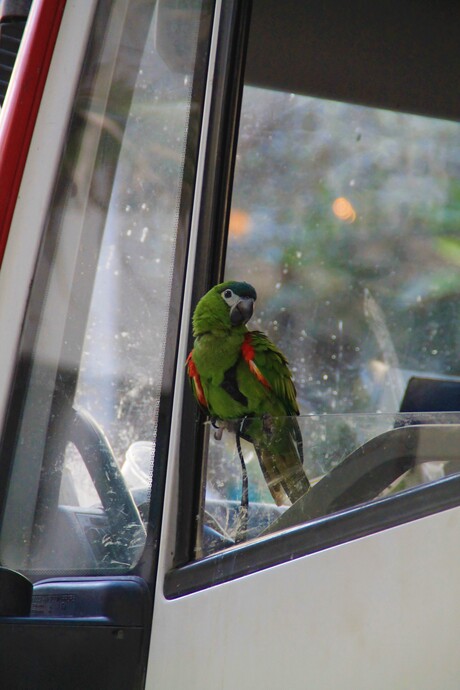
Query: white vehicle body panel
point(380, 612)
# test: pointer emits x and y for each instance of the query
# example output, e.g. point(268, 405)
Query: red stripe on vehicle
point(19, 112)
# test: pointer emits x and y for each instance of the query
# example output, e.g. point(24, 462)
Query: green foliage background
point(358, 305)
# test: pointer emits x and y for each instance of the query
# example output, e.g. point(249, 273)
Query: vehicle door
point(99, 137)
point(332, 187)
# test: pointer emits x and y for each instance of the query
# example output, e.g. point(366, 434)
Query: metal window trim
point(313, 537)
point(167, 533)
point(211, 236)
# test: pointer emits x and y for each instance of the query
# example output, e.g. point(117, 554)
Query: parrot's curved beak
point(242, 311)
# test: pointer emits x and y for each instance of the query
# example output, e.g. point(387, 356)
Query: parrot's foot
point(220, 426)
point(219, 430)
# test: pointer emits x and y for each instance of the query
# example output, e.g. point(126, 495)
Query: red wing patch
point(194, 375)
point(248, 352)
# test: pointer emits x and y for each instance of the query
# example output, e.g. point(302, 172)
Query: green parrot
point(238, 374)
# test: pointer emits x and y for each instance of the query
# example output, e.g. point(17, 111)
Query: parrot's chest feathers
point(215, 353)
point(230, 389)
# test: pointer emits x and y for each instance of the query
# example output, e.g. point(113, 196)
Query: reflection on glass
point(349, 459)
point(95, 331)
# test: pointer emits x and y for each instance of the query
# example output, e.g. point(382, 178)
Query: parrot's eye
point(230, 297)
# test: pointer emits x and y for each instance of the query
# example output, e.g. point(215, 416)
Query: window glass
point(90, 376)
point(336, 209)
point(345, 220)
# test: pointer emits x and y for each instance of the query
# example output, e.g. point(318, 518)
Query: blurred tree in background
point(346, 220)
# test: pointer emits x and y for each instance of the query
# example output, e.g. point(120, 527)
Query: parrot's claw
point(221, 427)
point(219, 430)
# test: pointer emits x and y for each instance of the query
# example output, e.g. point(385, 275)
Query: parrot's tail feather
point(280, 455)
point(284, 475)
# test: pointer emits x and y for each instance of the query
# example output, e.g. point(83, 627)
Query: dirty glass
point(345, 219)
point(349, 459)
point(93, 347)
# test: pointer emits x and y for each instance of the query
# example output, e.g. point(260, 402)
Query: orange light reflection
point(344, 210)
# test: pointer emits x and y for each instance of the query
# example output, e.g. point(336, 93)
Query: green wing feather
point(274, 367)
point(278, 440)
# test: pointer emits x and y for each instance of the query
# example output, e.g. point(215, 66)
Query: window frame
point(211, 242)
point(313, 537)
point(188, 576)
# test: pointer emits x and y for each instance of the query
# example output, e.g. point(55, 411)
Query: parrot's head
point(226, 305)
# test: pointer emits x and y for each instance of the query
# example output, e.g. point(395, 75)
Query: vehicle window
point(344, 218)
point(13, 17)
point(82, 431)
